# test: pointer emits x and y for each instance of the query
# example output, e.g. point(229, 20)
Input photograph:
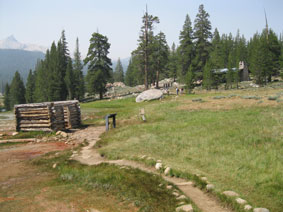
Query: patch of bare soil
point(19, 181)
point(90, 156)
point(225, 104)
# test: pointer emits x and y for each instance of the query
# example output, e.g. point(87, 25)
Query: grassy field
point(234, 138)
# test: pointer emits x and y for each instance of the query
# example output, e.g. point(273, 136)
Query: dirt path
point(90, 156)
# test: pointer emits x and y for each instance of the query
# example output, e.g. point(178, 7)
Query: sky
point(41, 21)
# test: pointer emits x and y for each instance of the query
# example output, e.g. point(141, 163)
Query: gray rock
point(149, 95)
point(186, 208)
point(230, 193)
point(241, 201)
point(248, 207)
point(261, 210)
point(209, 187)
point(167, 170)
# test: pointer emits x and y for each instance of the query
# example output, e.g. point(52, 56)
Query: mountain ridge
point(12, 43)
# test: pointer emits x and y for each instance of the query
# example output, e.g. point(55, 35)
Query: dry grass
point(224, 104)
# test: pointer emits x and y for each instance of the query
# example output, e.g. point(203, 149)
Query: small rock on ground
point(176, 194)
point(261, 210)
point(158, 166)
point(248, 207)
point(230, 193)
point(204, 179)
point(209, 187)
point(241, 201)
point(181, 197)
point(169, 187)
point(186, 208)
point(167, 171)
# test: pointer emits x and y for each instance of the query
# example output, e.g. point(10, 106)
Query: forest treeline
point(198, 57)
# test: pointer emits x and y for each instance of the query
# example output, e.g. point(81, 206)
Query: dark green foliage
point(217, 54)
point(41, 80)
point(186, 48)
point(99, 65)
point(160, 55)
point(70, 80)
point(7, 97)
point(144, 52)
point(17, 91)
point(173, 62)
point(118, 74)
point(202, 34)
point(207, 76)
point(190, 79)
point(134, 74)
point(79, 85)
point(229, 75)
point(30, 87)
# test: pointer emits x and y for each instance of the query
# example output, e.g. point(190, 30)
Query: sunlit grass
point(240, 148)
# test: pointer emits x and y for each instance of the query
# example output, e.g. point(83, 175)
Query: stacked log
point(48, 116)
point(72, 113)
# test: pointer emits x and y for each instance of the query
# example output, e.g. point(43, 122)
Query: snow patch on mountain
point(11, 43)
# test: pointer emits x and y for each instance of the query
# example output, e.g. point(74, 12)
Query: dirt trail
point(90, 156)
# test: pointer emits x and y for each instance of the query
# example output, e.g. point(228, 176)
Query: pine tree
point(161, 54)
point(134, 74)
point(186, 48)
point(216, 55)
point(79, 85)
point(229, 74)
point(257, 58)
point(99, 65)
point(202, 34)
point(7, 101)
point(30, 88)
point(56, 84)
point(69, 80)
point(173, 62)
point(190, 79)
point(41, 80)
point(207, 76)
point(119, 72)
point(17, 90)
point(146, 47)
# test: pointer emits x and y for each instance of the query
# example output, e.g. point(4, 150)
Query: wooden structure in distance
point(48, 116)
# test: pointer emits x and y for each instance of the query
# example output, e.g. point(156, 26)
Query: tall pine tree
point(173, 62)
point(79, 85)
point(146, 47)
point(7, 101)
point(70, 80)
point(186, 48)
point(202, 35)
point(119, 72)
point(161, 55)
point(17, 90)
point(99, 65)
point(30, 88)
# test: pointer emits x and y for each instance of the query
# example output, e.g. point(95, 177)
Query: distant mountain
point(12, 60)
point(11, 43)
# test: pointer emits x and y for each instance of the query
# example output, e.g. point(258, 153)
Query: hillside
point(12, 60)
